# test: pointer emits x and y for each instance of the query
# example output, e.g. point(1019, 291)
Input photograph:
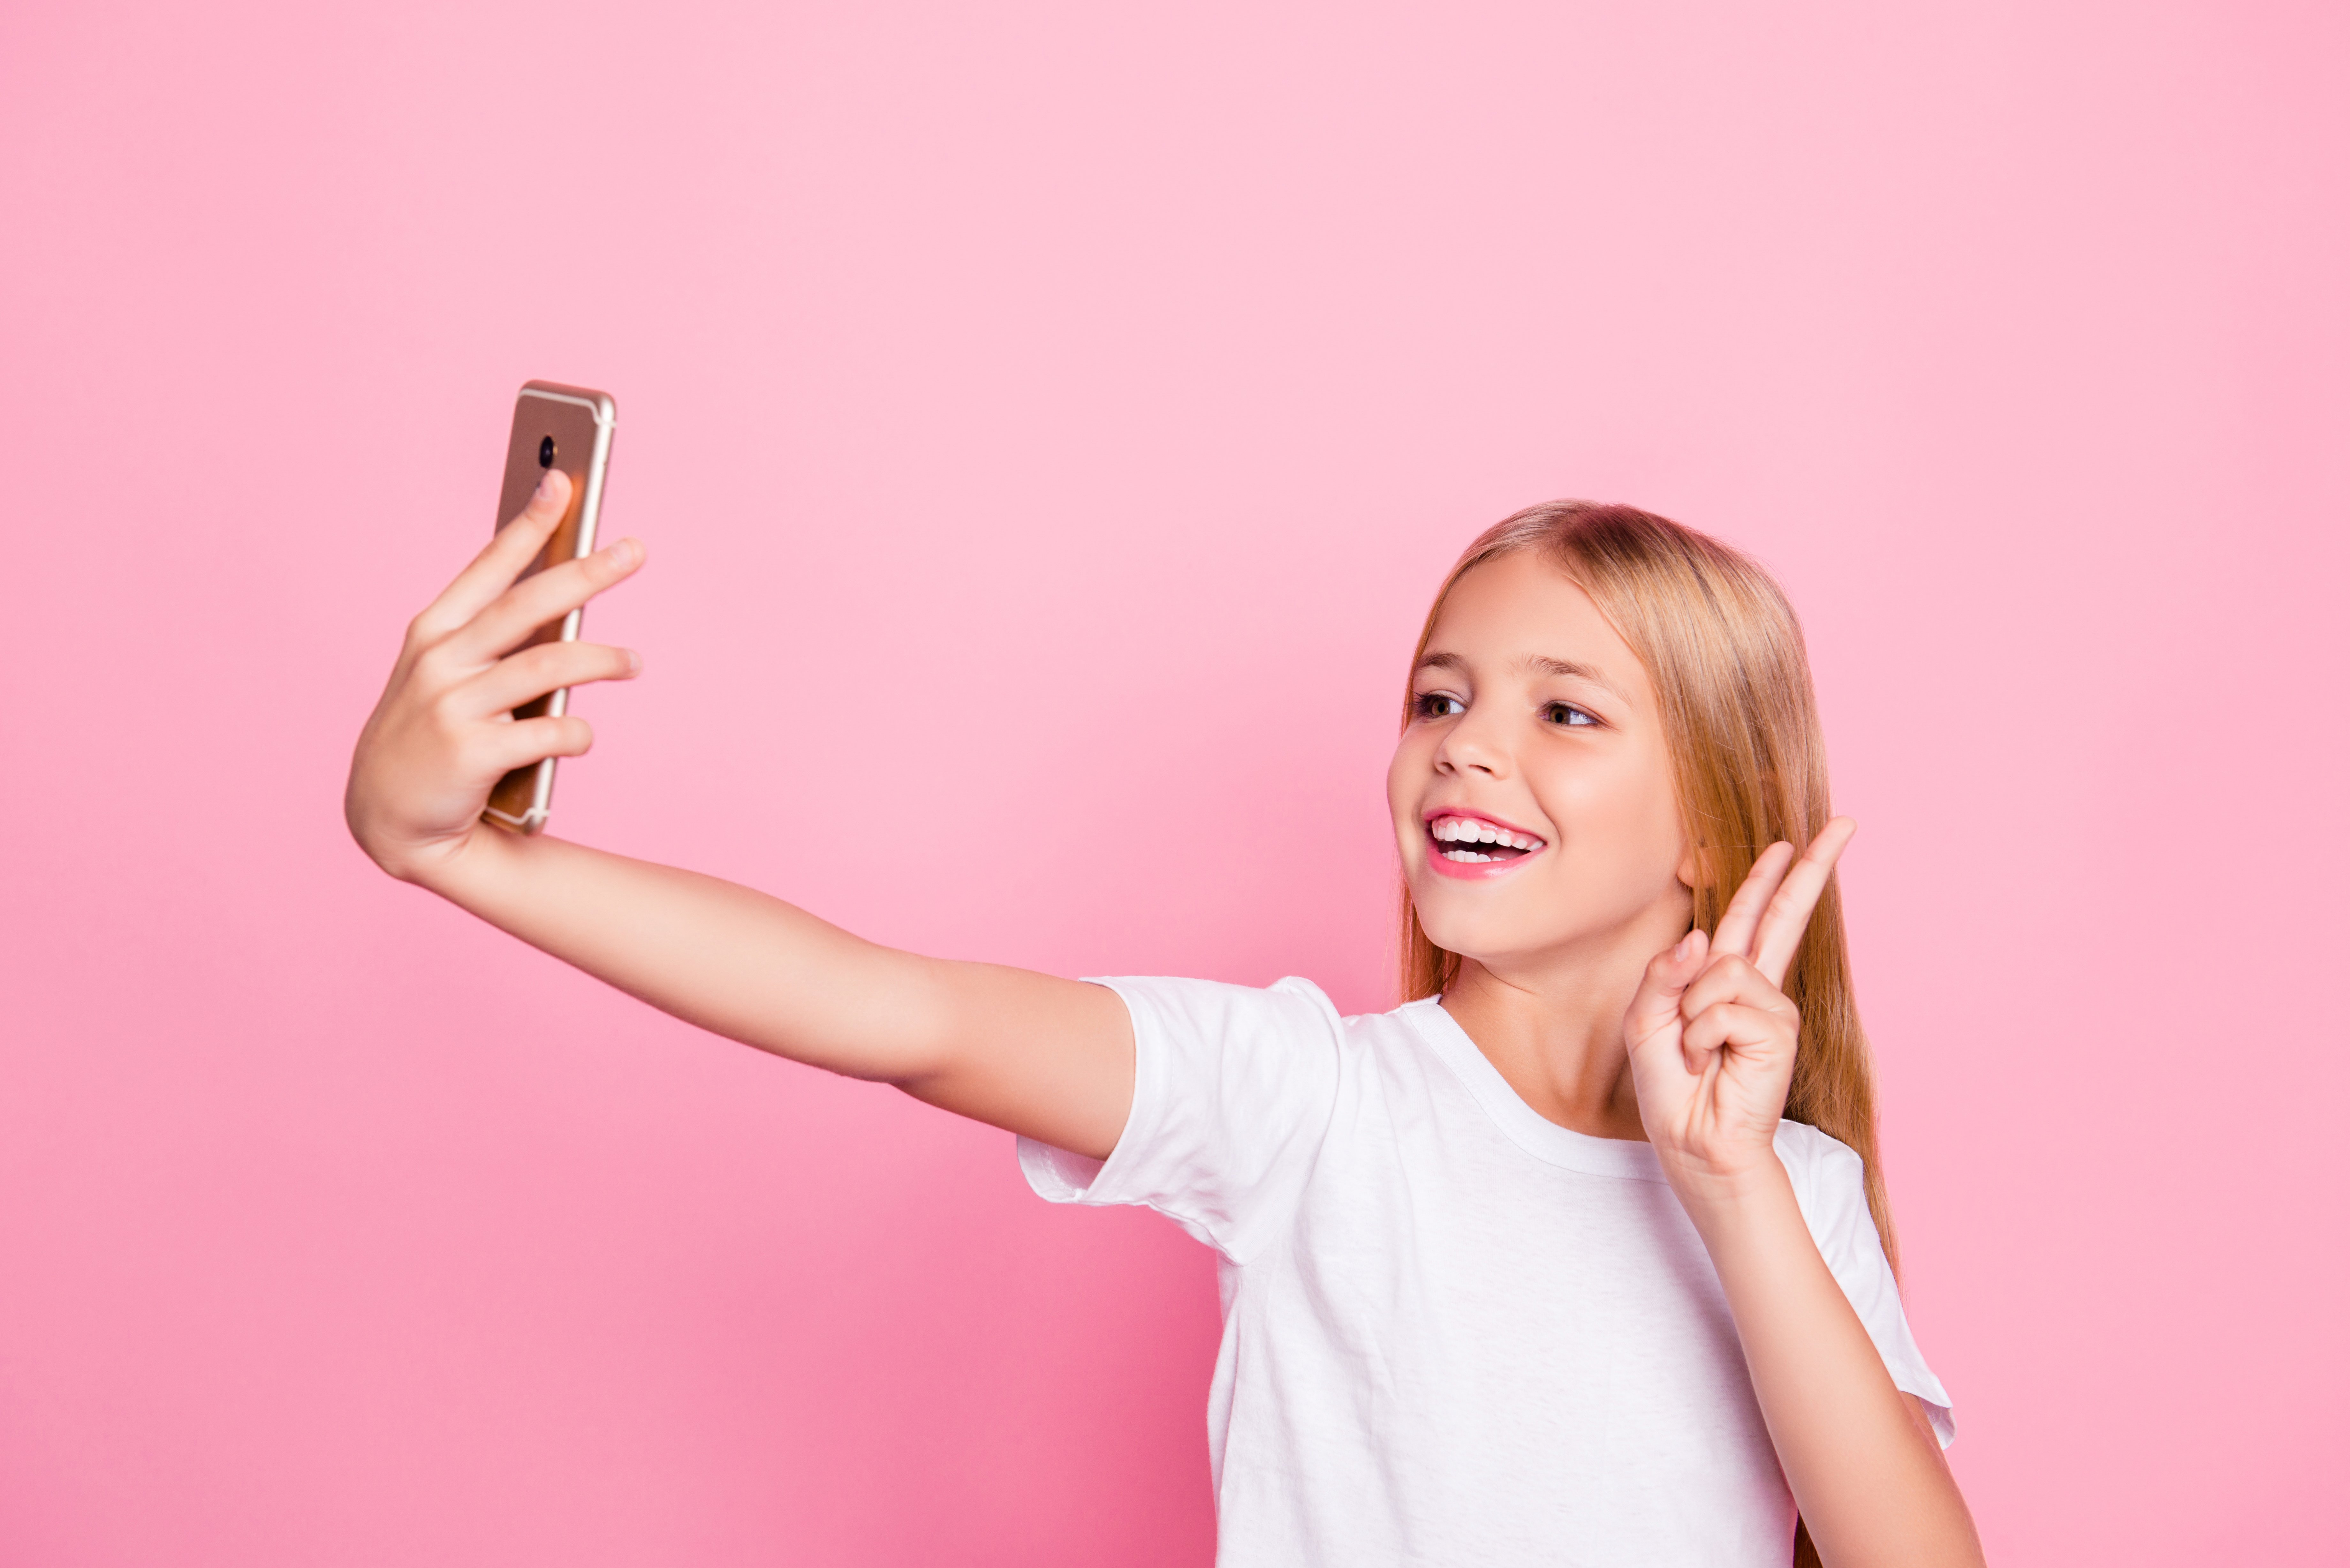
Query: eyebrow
point(1533, 664)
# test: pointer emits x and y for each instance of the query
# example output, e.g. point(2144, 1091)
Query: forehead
point(1518, 609)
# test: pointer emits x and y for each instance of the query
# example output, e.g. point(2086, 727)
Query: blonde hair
point(1723, 651)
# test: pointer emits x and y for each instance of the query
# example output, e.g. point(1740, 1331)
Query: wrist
point(436, 865)
point(1722, 1201)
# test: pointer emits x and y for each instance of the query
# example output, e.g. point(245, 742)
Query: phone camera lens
point(546, 451)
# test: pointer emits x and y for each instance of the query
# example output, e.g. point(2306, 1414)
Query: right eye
point(1437, 705)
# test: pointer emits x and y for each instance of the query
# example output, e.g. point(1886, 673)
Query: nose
point(1470, 745)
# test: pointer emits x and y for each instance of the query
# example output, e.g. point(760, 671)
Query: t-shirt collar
point(1629, 1158)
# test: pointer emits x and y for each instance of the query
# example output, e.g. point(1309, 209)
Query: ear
point(1687, 870)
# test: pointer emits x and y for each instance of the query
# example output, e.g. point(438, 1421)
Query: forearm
point(1871, 1483)
point(1006, 1046)
point(724, 957)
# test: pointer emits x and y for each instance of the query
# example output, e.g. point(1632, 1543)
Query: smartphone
point(570, 428)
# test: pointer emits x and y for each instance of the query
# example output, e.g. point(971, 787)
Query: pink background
point(1047, 426)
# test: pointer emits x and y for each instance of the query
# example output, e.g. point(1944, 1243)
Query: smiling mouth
point(1467, 841)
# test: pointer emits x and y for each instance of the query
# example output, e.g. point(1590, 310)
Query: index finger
point(1790, 908)
point(1734, 932)
point(510, 551)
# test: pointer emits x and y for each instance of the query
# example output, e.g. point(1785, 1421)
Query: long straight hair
point(1725, 655)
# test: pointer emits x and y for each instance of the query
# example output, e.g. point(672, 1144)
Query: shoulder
point(1803, 1148)
point(1831, 1183)
point(1218, 1009)
point(1293, 1019)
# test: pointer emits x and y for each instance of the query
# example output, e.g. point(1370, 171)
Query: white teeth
point(1464, 830)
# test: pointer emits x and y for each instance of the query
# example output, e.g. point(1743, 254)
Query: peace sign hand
point(1711, 1036)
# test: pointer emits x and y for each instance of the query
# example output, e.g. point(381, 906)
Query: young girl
point(1581, 1255)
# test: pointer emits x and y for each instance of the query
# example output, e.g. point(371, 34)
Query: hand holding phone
point(457, 718)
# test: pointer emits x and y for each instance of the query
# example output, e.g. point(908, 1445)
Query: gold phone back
point(578, 421)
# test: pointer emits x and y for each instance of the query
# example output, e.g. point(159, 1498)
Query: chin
point(1473, 934)
point(1496, 931)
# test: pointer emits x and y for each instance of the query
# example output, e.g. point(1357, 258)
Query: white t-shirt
point(1454, 1332)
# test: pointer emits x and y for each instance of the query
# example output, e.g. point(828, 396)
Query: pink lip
point(1474, 870)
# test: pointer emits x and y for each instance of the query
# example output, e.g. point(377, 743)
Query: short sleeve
point(1828, 1188)
point(1234, 1090)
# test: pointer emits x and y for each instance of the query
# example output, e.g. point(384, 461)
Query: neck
point(1554, 1027)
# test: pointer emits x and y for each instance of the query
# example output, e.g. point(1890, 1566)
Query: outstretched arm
point(1713, 1044)
point(1050, 1058)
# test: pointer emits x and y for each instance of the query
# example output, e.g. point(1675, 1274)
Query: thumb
point(1657, 1005)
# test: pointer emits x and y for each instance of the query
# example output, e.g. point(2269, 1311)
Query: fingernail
point(623, 553)
point(636, 661)
point(1688, 947)
point(545, 486)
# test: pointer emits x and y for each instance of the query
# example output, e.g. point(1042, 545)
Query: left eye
point(1561, 713)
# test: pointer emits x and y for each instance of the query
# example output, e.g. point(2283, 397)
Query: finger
point(510, 550)
point(528, 741)
point(1696, 1058)
point(1656, 1005)
point(1729, 978)
point(539, 600)
point(536, 671)
point(1734, 932)
point(1727, 1025)
point(1790, 908)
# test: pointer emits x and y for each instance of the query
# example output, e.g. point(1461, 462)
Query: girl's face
point(1532, 791)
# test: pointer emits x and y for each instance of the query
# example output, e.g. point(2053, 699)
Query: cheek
point(1407, 771)
point(1618, 815)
